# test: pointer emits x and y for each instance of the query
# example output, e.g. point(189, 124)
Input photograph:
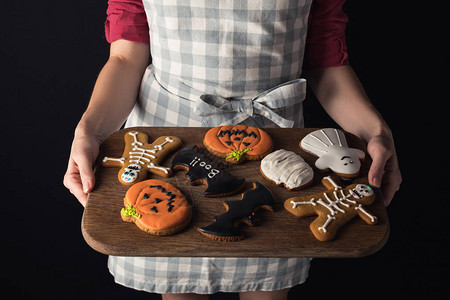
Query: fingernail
point(376, 181)
point(86, 186)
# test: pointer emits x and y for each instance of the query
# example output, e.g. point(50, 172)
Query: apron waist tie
point(217, 111)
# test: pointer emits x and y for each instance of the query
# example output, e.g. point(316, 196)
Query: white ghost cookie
point(287, 168)
point(330, 145)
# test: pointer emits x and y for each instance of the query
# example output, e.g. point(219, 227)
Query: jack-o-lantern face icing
point(238, 142)
point(156, 207)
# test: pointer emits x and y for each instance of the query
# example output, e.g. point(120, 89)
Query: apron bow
point(217, 110)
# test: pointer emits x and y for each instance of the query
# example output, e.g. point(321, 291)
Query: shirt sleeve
point(325, 42)
point(126, 19)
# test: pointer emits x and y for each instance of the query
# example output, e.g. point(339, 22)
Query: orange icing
point(259, 145)
point(162, 219)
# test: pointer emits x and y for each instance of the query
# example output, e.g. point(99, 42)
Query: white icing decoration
point(139, 156)
point(153, 166)
point(294, 203)
point(363, 190)
point(121, 160)
point(327, 222)
point(130, 173)
point(203, 164)
point(330, 145)
point(286, 167)
point(358, 192)
point(372, 218)
point(333, 183)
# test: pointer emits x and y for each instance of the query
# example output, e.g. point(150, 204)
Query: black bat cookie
point(225, 226)
point(200, 171)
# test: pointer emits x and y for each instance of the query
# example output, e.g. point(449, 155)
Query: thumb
point(384, 167)
point(376, 171)
point(380, 155)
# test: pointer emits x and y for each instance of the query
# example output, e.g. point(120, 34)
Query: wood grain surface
point(279, 234)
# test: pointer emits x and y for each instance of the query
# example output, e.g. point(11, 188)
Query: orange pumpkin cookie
point(236, 143)
point(156, 207)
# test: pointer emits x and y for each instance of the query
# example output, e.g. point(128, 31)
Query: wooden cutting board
point(279, 233)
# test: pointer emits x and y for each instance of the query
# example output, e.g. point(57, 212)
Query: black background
point(51, 53)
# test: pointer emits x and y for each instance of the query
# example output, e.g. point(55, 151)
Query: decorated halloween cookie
point(225, 226)
point(236, 143)
point(330, 146)
point(334, 207)
point(156, 207)
point(139, 157)
point(200, 170)
point(287, 168)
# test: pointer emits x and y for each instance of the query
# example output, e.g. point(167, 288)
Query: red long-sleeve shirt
point(325, 42)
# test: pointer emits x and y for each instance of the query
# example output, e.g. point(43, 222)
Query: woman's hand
point(112, 100)
point(342, 96)
point(79, 177)
point(384, 171)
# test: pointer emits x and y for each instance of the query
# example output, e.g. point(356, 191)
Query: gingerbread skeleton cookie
point(334, 207)
point(219, 183)
point(330, 145)
point(225, 226)
point(287, 168)
point(236, 143)
point(156, 207)
point(139, 157)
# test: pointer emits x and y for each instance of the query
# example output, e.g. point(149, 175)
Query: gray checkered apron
point(217, 62)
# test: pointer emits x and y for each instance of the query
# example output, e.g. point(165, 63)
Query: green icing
point(130, 211)
point(237, 154)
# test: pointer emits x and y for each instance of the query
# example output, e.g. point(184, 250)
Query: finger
point(384, 171)
point(87, 177)
point(79, 178)
point(388, 192)
point(392, 181)
point(73, 184)
point(376, 170)
point(391, 185)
